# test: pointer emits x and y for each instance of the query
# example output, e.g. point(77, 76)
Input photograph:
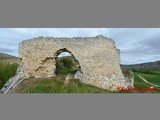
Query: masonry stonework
point(98, 57)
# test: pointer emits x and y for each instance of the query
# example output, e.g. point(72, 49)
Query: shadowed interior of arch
point(66, 64)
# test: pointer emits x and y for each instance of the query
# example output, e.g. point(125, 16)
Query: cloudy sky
point(137, 45)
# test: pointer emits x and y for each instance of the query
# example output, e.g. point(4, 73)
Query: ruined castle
point(98, 58)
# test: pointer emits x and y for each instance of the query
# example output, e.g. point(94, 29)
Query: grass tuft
point(7, 70)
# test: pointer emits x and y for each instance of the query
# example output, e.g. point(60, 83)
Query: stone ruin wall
point(98, 57)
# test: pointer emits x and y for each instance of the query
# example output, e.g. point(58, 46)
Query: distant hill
point(9, 58)
point(149, 65)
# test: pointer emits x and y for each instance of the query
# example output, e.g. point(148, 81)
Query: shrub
point(67, 62)
point(127, 72)
point(66, 65)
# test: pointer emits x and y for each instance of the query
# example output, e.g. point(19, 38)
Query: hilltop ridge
point(148, 65)
point(8, 58)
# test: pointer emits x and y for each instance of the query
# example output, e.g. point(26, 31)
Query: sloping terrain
point(148, 65)
point(8, 67)
point(65, 83)
point(9, 58)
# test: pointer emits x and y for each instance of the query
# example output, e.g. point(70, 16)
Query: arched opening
point(66, 63)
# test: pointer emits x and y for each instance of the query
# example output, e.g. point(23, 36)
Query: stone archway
point(98, 57)
point(77, 73)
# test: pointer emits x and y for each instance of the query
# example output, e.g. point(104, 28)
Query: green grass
point(57, 85)
point(7, 70)
point(151, 77)
point(139, 83)
point(65, 66)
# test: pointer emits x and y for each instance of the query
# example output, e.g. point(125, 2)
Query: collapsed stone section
point(98, 58)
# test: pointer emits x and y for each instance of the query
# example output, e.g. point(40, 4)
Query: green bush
point(7, 70)
point(67, 62)
point(66, 65)
point(127, 72)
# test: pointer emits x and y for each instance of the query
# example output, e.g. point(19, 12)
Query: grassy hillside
point(153, 78)
point(7, 70)
point(151, 75)
point(67, 66)
point(8, 67)
point(56, 85)
point(9, 58)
